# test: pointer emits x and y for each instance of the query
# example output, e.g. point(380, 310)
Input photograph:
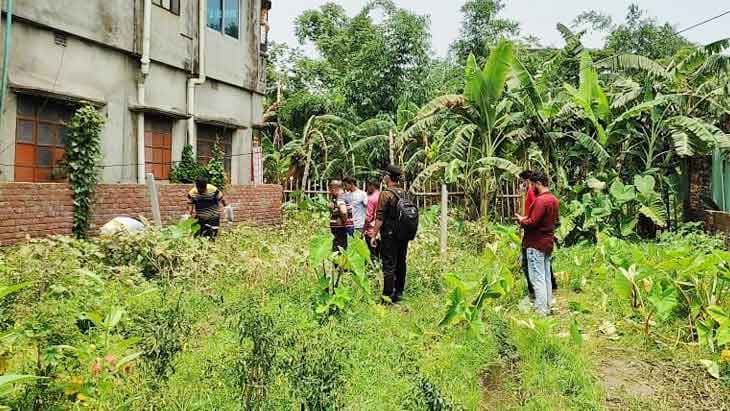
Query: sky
point(537, 17)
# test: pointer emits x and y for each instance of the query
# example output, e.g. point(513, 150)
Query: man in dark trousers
point(539, 239)
point(341, 224)
point(205, 205)
point(393, 251)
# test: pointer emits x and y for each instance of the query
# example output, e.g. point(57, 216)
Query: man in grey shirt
point(359, 201)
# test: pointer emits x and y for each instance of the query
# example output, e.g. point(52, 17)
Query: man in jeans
point(359, 201)
point(340, 216)
point(393, 252)
point(529, 200)
point(539, 239)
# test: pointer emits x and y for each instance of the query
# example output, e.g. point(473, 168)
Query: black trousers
point(208, 228)
point(374, 251)
point(393, 254)
point(339, 238)
point(530, 289)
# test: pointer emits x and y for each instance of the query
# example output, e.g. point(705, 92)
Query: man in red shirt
point(539, 239)
point(529, 200)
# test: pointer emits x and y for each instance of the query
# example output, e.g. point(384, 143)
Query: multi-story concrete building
point(164, 72)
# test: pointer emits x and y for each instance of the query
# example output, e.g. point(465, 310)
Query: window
point(207, 138)
point(158, 146)
point(173, 6)
point(40, 139)
point(224, 16)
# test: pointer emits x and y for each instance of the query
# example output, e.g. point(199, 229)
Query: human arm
point(537, 212)
point(380, 214)
point(191, 206)
point(342, 207)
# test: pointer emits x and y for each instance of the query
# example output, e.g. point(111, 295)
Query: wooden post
point(444, 218)
point(154, 199)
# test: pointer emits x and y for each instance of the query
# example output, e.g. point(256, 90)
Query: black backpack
point(405, 219)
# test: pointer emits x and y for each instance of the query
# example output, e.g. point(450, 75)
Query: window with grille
point(224, 16)
point(173, 6)
point(40, 139)
point(158, 146)
point(207, 138)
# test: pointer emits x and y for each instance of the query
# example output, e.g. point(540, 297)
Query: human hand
point(373, 242)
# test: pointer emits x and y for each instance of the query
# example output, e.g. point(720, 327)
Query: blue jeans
point(538, 264)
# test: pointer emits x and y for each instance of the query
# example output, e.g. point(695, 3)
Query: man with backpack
point(396, 222)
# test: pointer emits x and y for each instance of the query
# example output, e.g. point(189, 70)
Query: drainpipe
point(144, 71)
point(193, 82)
point(6, 58)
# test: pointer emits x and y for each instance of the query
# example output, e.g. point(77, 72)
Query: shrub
point(188, 169)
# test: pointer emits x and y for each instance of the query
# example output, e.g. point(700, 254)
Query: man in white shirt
point(359, 204)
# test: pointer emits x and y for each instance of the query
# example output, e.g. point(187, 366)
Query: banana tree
point(483, 119)
point(328, 134)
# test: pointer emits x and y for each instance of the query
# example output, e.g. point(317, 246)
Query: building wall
point(80, 69)
point(100, 62)
point(45, 209)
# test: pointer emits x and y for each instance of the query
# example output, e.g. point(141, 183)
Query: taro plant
point(83, 153)
point(335, 297)
point(615, 211)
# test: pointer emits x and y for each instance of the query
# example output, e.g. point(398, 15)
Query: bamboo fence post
point(444, 218)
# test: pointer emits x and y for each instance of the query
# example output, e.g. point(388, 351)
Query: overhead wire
point(702, 23)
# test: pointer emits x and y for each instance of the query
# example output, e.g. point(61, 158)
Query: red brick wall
point(39, 210)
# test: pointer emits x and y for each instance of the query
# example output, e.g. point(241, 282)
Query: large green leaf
point(527, 84)
point(8, 381)
point(496, 69)
point(320, 249)
point(645, 184)
point(663, 298)
point(622, 193)
point(6, 290)
point(653, 214)
point(624, 282)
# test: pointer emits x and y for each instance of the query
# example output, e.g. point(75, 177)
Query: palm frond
point(461, 139)
point(634, 62)
point(499, 163)
point(682, 143)
point(593, 146)
point(442, 103)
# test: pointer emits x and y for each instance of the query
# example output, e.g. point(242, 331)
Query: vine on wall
point(83, 153)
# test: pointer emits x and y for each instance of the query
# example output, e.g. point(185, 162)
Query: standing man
point(396, 221)
point(539, 239)
point(529, 200)
point(373, 190)
point(359, 201)
point(341, 224)
point(205, 205)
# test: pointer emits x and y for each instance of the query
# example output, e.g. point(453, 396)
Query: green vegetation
point(258, 321)
point(82, 156)
point(645, 104)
